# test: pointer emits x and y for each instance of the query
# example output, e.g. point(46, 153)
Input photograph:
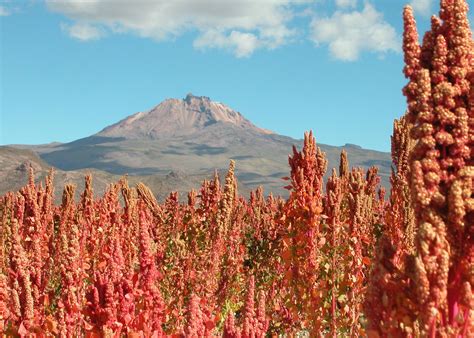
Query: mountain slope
point(15, 164)
point(195, 136)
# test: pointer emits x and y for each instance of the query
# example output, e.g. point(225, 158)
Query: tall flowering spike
point(361, 223)
point(6, 215)
point(303, 238)
point(68, 196)
point(308, 167)
point(31, 177)
point(460, 47)
point(400, 217)
point(343, 165)
point(402, 145)
point(254, 321)
point(230, 329)
point(71, 279)
point(228, 200)
point(130, 222)
point(249, 309)
point(195, 326)
point(192, 198)
point(47, 213)
point(442, 175)
point(147, 196)
point(210, 193)
point(422, 109)
point(411, 45)
point(411, 50)
point(439, 61)
point(386, 314)
point(262, 321)
point(216, 182)
point(334, 196)
point(4, 302)
point(23, 306)
point(87, 197)
point(429, 42)
point(68, 260)
point(152, 302)
point(88, 234)
point(230, 183)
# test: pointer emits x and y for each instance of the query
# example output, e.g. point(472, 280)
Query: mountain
point(175, 118)
point(194, 136)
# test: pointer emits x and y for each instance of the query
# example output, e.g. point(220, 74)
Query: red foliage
point(333, 259)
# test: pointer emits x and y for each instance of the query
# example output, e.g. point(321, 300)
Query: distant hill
point(15, 164)
point(192, 136)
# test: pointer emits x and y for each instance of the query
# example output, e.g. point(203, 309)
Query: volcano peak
point(174, 117)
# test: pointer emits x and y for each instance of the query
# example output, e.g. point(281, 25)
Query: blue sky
point(68, 69)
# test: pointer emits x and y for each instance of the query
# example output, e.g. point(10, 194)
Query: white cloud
point(346, 3)
point(82, 31)
point(243, 44)
point(4, 11)
point(241, 26)
point(350, 33)
point(422, 6)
